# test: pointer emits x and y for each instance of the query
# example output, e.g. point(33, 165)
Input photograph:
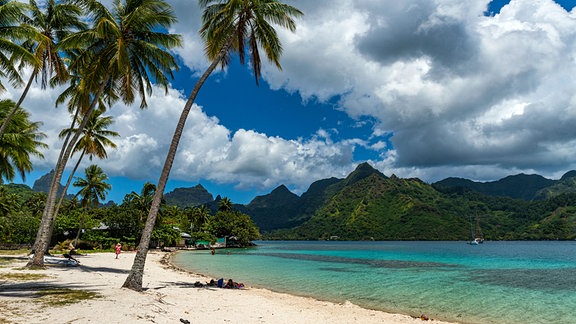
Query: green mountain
point(566, 184)
point(284, 209)
point(42, 184)
point(188, 197)
point(520, 186)
point(370, 206)
point(367, 205)
point(274, 210)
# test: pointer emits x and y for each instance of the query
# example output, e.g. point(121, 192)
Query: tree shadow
point(101, 269)
point(30, 289)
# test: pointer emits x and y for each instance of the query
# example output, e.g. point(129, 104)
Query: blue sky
point(417, 89)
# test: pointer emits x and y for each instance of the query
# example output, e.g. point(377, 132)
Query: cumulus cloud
point(458, 89)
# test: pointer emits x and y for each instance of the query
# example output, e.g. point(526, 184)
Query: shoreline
point(169, 297)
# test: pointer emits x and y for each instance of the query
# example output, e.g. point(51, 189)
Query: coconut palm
point(122, 54)
point(93, 143)
point(52, 21)
point(21, 141)
point(228, 27)
point(11, 33)
point(93, 188)
point(199, 216)
point(225, 205)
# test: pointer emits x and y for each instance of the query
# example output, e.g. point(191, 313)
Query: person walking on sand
point(118, 249)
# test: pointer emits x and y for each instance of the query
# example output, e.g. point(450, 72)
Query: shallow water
point(496, 282)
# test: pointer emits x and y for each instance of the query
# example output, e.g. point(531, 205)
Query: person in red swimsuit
point(118, 249)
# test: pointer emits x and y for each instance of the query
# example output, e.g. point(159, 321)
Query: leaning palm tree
point(93, 142)
point(228, 27)
point(122, 54)
point(12, 32)
point(52, 21)
point(93, 188)
point(21, 141)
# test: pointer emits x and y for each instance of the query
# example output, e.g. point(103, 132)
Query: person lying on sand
point(233, 285)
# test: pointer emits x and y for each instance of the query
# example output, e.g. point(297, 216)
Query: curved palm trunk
point(57, 208)
point(69, 181)
point(43, 238)
point(17, 106)
point(134, 280)
point(51, 221)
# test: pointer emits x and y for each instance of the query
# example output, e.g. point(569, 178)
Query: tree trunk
point(134, 280)
point(69, 181)
point(80, 228)
point(15, 109)
point(43, 239)
point(57, 208)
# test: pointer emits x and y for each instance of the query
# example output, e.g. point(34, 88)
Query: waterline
point(497, 282)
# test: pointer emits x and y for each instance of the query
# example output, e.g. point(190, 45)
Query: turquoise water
point(496, 282)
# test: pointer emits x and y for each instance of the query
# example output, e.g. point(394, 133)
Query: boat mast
point(471, 229)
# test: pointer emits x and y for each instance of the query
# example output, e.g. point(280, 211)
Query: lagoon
point(495, 282)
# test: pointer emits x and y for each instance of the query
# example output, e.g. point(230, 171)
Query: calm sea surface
point(496, 282)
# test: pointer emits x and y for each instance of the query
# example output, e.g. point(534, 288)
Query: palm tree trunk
point(62, 196)
point(80, 228)
point(43, 240)
point(17, 106)
point(134, 280)
point(52, 219)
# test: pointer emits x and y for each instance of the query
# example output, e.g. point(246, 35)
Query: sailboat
point(475, 239)
point(479, 237)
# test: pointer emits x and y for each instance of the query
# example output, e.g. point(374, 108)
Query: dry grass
point(11, 276)
point(64, 296)
point(14, 252)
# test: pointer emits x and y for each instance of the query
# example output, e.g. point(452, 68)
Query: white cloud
point(455, 88)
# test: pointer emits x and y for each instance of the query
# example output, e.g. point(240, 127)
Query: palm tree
point(93, 189)
point(93, 143)
point(53, 24)
point(141, 202)
point(228, 27)
point(225, 205)
point(19, 143)
point(11, 30)
point(199, 217)
point(121, 55)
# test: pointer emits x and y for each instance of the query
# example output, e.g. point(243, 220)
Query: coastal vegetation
point(102, 226)
point(367, 205)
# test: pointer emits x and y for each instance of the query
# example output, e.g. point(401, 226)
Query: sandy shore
point(169, 296)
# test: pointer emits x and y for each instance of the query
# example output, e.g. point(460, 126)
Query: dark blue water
point(496, 282)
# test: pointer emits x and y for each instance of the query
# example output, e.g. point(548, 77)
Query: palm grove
point(104, 55)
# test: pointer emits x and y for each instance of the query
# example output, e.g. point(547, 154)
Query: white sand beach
point(169, 296)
